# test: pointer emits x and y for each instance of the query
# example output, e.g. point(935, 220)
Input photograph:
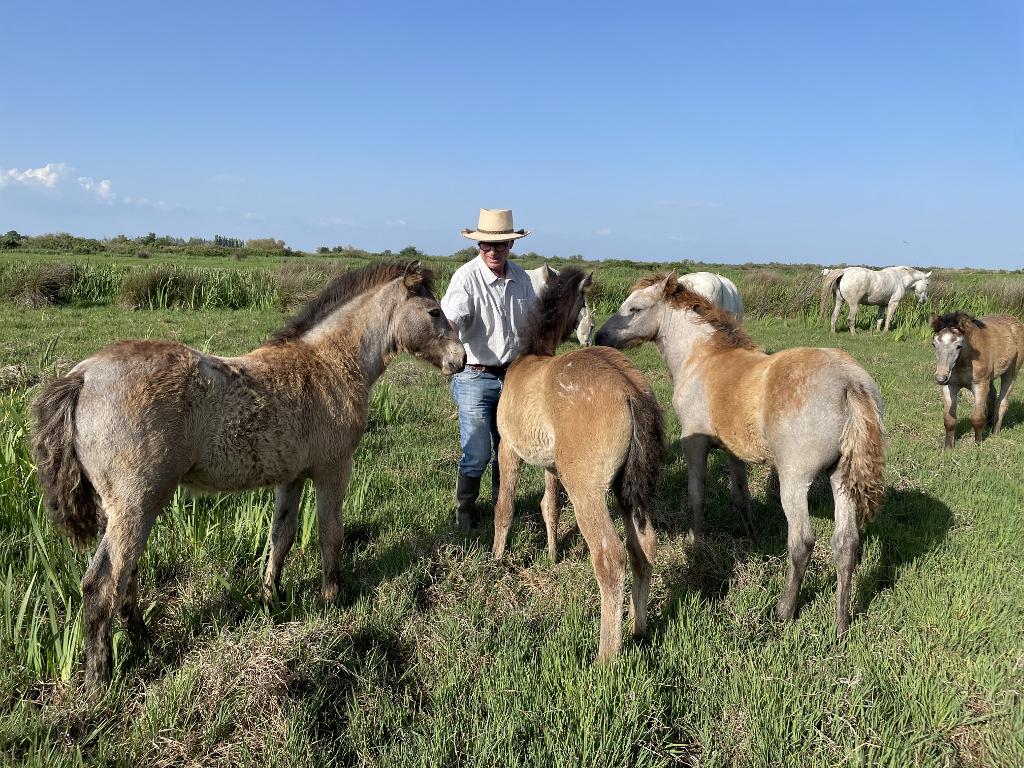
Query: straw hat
point(495, 225)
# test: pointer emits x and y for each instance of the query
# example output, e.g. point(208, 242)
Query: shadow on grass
point(909, 524)
point(237, 599)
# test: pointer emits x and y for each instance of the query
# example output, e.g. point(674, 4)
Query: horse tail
point(862, 459)
point(70, 497)
point(829, 286)
point(644, 455)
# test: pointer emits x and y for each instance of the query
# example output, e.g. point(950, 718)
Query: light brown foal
point(592, 421)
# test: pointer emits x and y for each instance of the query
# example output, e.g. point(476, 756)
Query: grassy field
point(437, 655)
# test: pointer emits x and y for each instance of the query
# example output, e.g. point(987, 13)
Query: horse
point(802, 410)
point(540, 277)
point(971, 353)
point(115, 436)
point(592, 422)
point(720, 291)
point(882, 288)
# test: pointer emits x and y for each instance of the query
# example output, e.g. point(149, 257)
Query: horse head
point(639, 318)
point(920, 285)
point(951, 334)
point(420, 327)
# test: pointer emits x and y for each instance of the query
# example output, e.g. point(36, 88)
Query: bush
point(10, 241)
point(170, 287)
point(65, 243)
point(40, 285)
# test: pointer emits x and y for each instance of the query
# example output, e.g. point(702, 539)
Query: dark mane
point(960, 321)
point(728, 332)
point(553, 320)
point(339, 292)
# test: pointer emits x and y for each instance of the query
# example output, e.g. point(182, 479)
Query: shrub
point(10, 240)
point(39, 285)
point(66, 243)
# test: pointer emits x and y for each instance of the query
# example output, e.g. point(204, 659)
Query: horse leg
point(889, 313)
point(990, 406)
point(550, 507)
point(607, 555)
point(641, 543)
point(835, 312)
point(851, 317)
point(510, 464)
point(880, 319)
point(741, 494)
point(845, 549)
point(131, 613)
point(282, 534)
point(107, 581)
point(696, 448)
point(330, 495)
point(1002, 402)
point(799, 540)
point(980, 389)
point(949, 393)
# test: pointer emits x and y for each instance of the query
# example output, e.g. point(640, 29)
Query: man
point(487, 302)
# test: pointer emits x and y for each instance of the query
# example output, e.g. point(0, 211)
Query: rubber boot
point(466, 491)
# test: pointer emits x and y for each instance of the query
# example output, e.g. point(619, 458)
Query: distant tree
point(149, 239)
point(10, 240)
point(265, 244)
point(323, 249)
point(465, 254)
point(410, 252)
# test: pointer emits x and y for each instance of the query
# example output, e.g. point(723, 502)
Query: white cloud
point(99, 188)
point(59, 177)
point(47, 176)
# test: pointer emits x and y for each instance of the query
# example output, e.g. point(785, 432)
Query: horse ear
point(934, 322)
point(413, 277)
point(670, 281)
point(548, 273)
point(586, 283)
point(928, 274)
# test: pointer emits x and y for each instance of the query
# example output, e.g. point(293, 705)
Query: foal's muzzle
point(942, 378)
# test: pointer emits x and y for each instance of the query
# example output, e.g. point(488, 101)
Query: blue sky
point(867, 132)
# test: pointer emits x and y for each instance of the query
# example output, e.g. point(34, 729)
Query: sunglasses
point(496, 247)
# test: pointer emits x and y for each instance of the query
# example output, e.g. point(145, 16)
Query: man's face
point(495, 255)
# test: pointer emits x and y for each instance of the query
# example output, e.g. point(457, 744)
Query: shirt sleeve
point(455, 303)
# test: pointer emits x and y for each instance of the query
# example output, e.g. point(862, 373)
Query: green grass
point(437, 655)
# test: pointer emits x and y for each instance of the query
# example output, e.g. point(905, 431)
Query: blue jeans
point(476, 393)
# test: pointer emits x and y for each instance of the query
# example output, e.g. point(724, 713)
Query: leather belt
point(495, 370)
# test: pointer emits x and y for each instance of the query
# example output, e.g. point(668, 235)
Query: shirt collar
point(489, 277)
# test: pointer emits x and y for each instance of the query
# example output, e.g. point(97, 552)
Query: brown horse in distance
point(802, 410)
point(114, 437)
point(592, 421)
point(971, 353)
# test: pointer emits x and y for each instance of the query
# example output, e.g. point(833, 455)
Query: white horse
point(720, 291)
point(540, 277)
point(882, 288)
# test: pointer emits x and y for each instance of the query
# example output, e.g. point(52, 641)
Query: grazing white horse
point(720, 291)
point(882, 288)
point(540, 277)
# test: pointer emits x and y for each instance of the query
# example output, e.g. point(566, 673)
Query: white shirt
point(489, 311)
